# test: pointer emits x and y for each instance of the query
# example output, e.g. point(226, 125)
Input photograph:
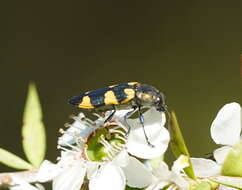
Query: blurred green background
point(190, 50)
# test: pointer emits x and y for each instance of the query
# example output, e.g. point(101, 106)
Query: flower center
point(106, 142)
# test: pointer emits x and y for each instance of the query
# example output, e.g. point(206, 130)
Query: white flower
point(226, 129)
point(163, 176)
point(157, 134)
point(108, 166)
point(107, 175)
point(137, 145)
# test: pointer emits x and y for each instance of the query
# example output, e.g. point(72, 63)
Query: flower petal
point(71, 177)
point(92, 168)
point(163, 174)
point(157, 135)
point(221, 153)
point(47, 171)
point(205, 167)
point(121, 159)
point(226, 127)
point(108, 177)
point(161, 171)
point(137, 174)
point(179, 181)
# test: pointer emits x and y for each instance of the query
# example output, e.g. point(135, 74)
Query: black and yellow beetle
point(122, 96)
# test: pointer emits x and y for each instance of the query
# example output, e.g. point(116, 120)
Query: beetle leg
point(111, 115)
point(127, 115)
point(141, 119)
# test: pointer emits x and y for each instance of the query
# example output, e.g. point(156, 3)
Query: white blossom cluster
point(101, 156)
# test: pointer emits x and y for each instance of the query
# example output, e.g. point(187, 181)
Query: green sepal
point(33, 131)
point(202, 186)
point(178, 145)
point(232, 165)
point(13, 161)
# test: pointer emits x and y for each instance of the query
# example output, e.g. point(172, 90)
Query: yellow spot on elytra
point(86, 103)
point(110, 98)
point(130, 95)
point(132, 83)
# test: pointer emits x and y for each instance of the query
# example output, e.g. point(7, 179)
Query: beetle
point(122, 96)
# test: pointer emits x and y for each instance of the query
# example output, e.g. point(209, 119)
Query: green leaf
point(232, 165)
point(234, 182)
point(13, 161)
point(178, 145)
point(202, 186)
point(33, 131)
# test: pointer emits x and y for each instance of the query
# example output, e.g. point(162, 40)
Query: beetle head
point(149, 96)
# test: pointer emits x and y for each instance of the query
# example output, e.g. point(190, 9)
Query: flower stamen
point(118, 125)
point(117, 131)
point(66, 149)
